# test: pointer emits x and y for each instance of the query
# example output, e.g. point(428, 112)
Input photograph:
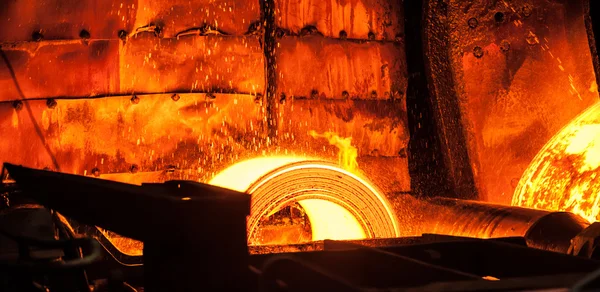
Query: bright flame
point(565, 175)
point(347, 154)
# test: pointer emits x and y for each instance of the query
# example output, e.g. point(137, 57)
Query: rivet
point(527, 11)
point(279, 33)
point(37, 36)
point(175, 97)
point(403, 153)
point(499, 17)
point(343, 34)
point(122, 34)
point(505, 45)
point(478, 52)
point(18, 105)
point(345, 94)
point(84, 34)
point(532, 39)
point(51, 103)
point(314, 93)
point(399, 37)
point(170, 168)
point(371, 36)
point(134, 168)
point(258, 98)
point(473, 22)
point(96, 172)
point(158, 31)
point(254, 28)
point(210, 95)
point(282, 98)
point(135, 99)
point(309, 30)
point(373, 94)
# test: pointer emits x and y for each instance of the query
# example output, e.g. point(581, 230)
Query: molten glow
point(241, 175)
point(333, 213)
point(347, 154)
point(565, 175)
point(333, 221)
point(328, 220)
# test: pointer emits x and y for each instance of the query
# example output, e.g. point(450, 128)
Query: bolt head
point(37, 36)
point(122, 34)
point(505, 45)
point(51, 103)
point(473, 22)
point(478, 52)
point(84, 34)
point(18, 105)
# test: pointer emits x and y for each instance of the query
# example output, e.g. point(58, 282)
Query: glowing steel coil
point(565, 174)
point(275, 182)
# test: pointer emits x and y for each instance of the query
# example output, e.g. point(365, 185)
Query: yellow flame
point(565, 175)
point(347, 154)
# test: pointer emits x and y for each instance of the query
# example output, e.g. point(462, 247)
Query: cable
point(25, 242)
point(38, 130)
point(85, 261)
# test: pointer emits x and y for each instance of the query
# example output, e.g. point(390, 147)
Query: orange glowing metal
point(339, 204)
point(331, 221)
point(348, 153)
point(565, 175)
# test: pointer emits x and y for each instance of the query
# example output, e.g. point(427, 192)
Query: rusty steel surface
point(355, 19)
point(144, 64)
point(184, 88)
point(315, 66)
point(54, 69)
point(377, 127)
point(65, 19)
point(113, 134)
point(202, 64)
point(506, 76)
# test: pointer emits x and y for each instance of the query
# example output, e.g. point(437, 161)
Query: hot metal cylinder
point(541, 229)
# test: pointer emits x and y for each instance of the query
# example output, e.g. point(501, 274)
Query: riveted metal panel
point(64, 19)
point(210, 63)
point(61, 68)
point(506, 75)
point(357, 18)
point(229, 16)
point(143, 64)
point(155, 132)
point(378, 129)
point(314, 66)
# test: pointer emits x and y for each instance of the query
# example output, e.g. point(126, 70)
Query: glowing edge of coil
point(326, 165)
